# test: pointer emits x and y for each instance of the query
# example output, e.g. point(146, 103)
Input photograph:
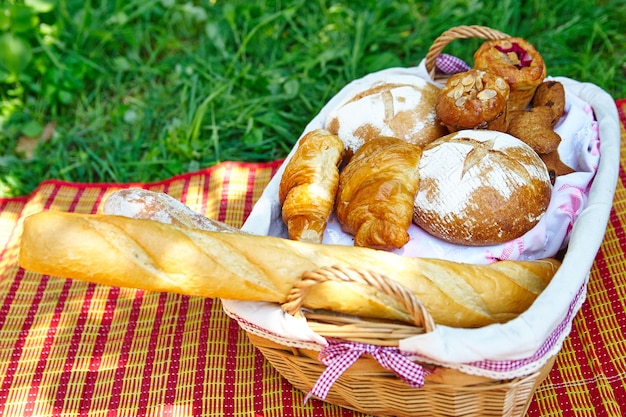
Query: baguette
point(149, 255)
point(145, 204)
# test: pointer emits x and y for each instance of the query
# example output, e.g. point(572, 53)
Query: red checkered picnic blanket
point(74, 348)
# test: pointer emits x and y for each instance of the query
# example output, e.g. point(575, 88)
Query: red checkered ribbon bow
point(340, 356)
point(449, 64)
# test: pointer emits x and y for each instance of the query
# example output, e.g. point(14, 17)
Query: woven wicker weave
point(356, 329)
point(458, 32)
point(366, 386)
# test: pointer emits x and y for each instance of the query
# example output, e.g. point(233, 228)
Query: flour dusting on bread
point(403, 108)
point(480, 187)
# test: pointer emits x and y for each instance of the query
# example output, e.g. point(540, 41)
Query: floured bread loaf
point(480, 187)
point(145, 204)
point(403, 107)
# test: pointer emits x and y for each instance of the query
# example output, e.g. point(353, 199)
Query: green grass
point(141, 90)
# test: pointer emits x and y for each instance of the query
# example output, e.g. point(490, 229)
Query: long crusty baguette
point(145, 254)
point(145, 204)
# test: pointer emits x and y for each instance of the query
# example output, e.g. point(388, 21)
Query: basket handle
point(295, 299)
point(458, 32)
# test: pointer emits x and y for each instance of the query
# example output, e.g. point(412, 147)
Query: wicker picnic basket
point(368, 387)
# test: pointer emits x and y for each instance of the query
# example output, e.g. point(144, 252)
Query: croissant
point(309, 184)
point(376, 193)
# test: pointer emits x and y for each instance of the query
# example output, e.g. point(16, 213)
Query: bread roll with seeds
point(474, 99)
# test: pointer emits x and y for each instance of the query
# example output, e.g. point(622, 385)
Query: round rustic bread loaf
point(480, 187)
point(402, 107)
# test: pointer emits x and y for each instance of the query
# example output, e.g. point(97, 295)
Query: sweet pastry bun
point(480, 187)
point(403, 107)
point(518, 62)
point(474, 99)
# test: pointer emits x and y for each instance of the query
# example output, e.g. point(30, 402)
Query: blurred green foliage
point(140, 90)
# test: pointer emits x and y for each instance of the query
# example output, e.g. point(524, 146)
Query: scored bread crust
point(139, 203)
point(145, 254)
point(480, 187)
point(403, 107)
